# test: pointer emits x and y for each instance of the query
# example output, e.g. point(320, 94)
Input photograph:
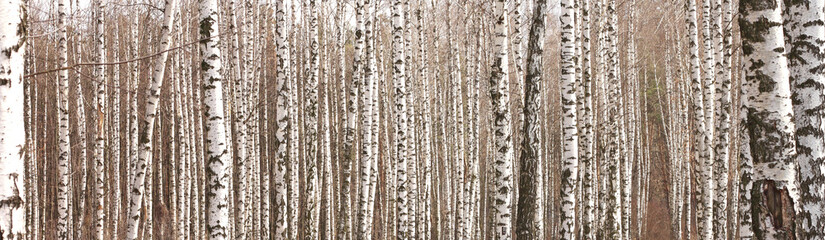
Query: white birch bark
point(133, 108)
point(457, 110)
point(239, 128)
point(569, 129)
point(115, 192)
point(367, 156)
point(217, 212)
point(803, 23)
point(78, 198)
point(282, 124)
point(503, 157)
point(612, 227)
point(769, 168)
point(64, 228)
point(294, 183)
point(425, 224)
point(13, 34)
point(350, 153)
point(100, 107)
point(706, 181)
point(312, 187)
point(587, 159)
point(401, 125)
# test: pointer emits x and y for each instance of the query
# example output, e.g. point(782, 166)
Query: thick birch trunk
point(803, 23)
point(13, 216)
point(217, 212)
point(530, 223)
point(770, 194)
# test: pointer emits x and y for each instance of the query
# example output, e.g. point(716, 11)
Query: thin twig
point(119, 62)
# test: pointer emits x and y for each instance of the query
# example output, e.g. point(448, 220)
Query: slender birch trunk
point(282, 123)
point(503, 158)
point(100, 99)
point(13, 216)
point(570, 133)
point(77, 200)
point(401, 126)
point(587, 159)
point(312, 187)
point(768, 165)
point(64, 228)
point(426, 216)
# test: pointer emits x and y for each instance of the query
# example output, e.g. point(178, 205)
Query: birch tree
point(805, 32)
point(706, 180)
point(282, 124)
point(530, 222)
point(13, 34)
point(64, 228)
point(768, 169)
point(312, 209)
point(424, 79)
point(217, 213)
point(401, 130)
point(587, 159)
point(569, 128)
point(100, 107)
point(502, 161)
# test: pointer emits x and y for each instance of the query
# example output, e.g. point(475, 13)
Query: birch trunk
point(13, 216)
point(426, 222)
point(706, 180)
point(217, 213)
point(569, 130)
point(100, 99)
point(701, 137)
point(503, 157)
point(282, 123)
point(312, 187)
point(64, 228)
point(805, 58)
point(401, 130)
point(768, 148)
point(587, 160)
point(530, 223)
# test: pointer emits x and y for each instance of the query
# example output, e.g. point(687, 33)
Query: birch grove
point(424, 119)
